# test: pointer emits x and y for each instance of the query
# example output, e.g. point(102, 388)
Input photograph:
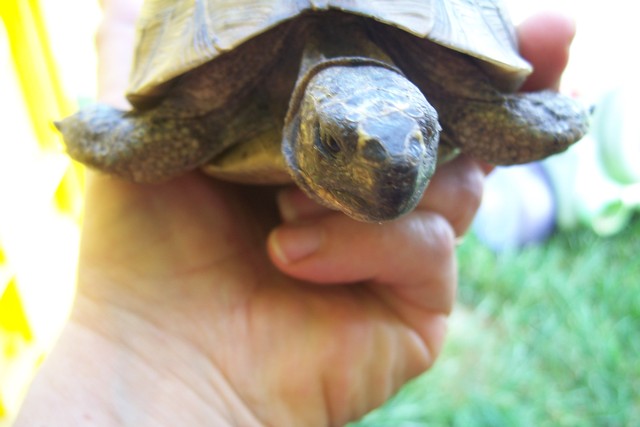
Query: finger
point(336, 249)
point(114, 45)
point(294, 205)
point(417, 283)
point(455, 192)
point(544, 40)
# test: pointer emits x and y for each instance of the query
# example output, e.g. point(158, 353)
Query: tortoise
point(356, 101)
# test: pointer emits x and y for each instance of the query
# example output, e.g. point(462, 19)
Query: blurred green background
point(546, 335)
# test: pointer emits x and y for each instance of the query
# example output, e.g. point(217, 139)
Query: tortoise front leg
point(141, 147)
point(513, 128)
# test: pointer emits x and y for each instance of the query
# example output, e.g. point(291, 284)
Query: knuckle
point(470, 187)
point(433, 275)
point(434, 234)
point(467, 192)
point(456, 192)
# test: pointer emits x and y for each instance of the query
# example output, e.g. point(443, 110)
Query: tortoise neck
point(328, 39)
point(339, 43)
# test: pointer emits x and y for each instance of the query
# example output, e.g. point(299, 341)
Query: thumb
point(544, 40)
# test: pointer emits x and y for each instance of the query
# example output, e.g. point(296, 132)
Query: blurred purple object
point(518, 208)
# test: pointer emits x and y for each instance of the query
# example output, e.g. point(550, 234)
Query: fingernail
point(292, 244)
point(287, 207)
point(295, 205)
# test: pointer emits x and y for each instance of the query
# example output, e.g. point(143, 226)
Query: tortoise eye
point(332, 145)
point(327, 144)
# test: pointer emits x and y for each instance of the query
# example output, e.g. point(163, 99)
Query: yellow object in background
point(40, 201)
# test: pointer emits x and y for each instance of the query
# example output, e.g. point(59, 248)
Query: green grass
point(546, 336)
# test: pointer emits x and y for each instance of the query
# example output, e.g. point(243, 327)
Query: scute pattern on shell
point(175, 37)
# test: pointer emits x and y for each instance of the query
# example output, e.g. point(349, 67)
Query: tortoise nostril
point(374, 151)
point(403, 168)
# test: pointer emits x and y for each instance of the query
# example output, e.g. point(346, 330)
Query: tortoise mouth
point(386, 206)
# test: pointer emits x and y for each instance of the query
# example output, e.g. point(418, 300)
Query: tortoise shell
point(175, 37)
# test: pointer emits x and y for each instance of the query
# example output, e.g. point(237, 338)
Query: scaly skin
point(481, 120)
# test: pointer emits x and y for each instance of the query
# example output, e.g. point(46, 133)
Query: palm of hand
point(187, 261)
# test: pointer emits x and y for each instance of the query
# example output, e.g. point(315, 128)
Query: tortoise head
point(362, 139)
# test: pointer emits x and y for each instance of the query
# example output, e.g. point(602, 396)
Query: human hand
point(183, 318)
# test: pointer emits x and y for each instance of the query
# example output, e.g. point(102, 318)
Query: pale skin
point(202, 303)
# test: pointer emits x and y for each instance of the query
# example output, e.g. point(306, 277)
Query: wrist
point(113, 370)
